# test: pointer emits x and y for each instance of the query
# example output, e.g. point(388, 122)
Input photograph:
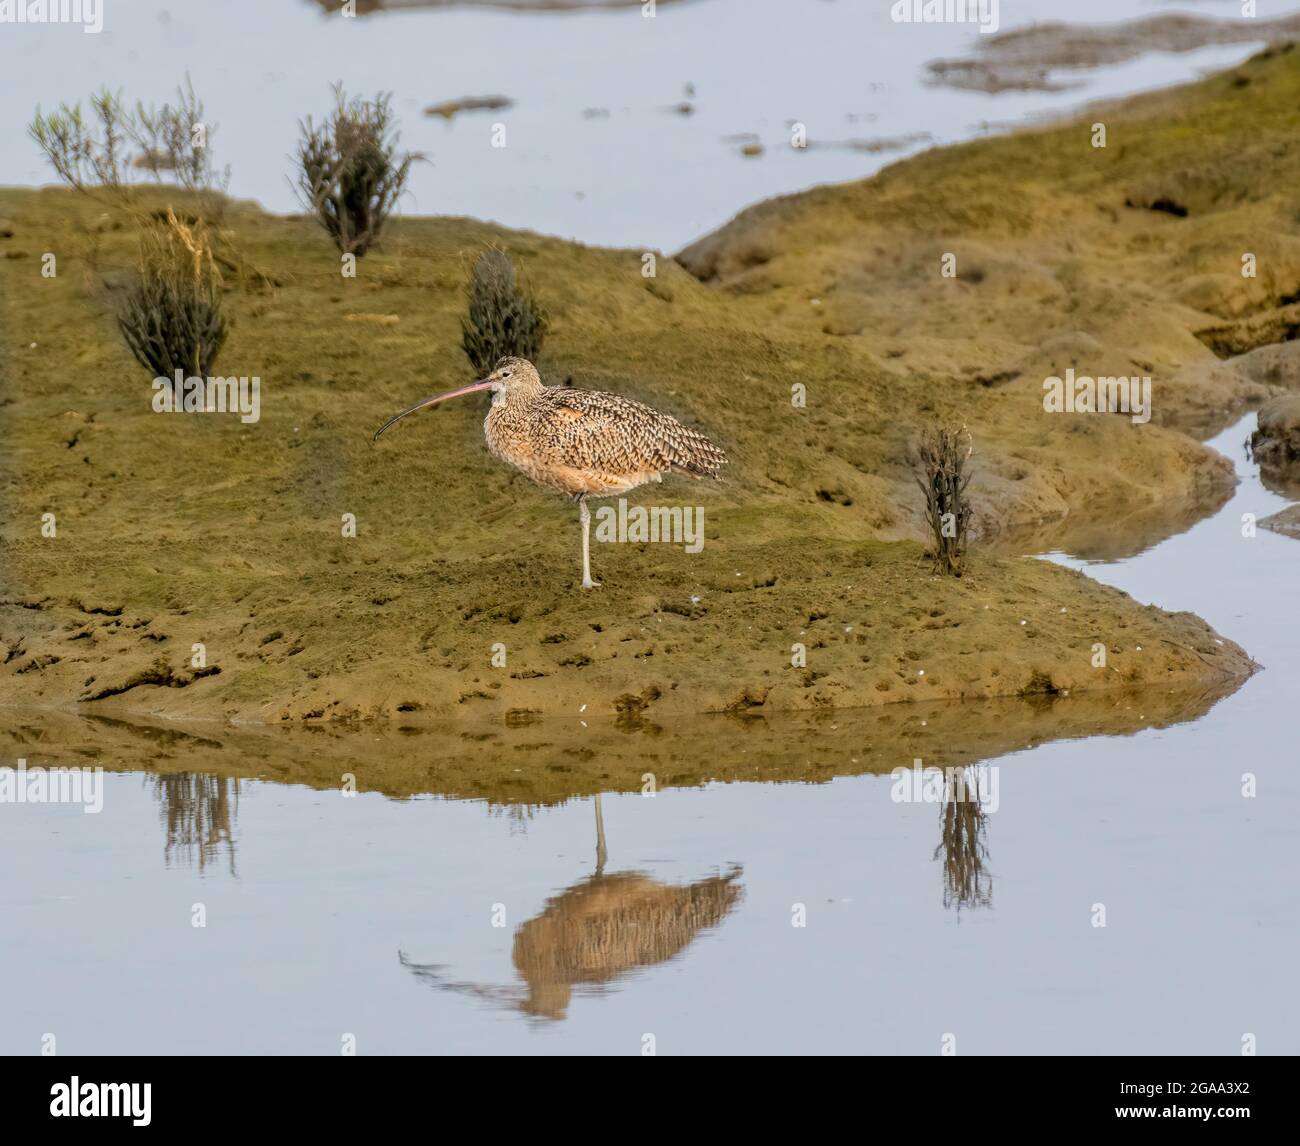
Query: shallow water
point(465, 901)
point(484, 917)
point(641, 175)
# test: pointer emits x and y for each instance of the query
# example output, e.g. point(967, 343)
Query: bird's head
point(512, 374)
point(509, 376)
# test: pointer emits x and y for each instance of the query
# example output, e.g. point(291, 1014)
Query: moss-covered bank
point(174, 530)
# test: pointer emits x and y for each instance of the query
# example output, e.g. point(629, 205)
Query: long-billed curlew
point(597, 931)
point(583, 443)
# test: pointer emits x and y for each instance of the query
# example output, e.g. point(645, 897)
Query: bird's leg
point(587, 582)
point(601, 853)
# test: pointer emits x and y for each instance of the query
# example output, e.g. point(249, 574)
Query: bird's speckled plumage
point(581, 442)
point(589, 442)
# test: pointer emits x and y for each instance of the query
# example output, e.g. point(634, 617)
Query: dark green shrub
point(171, 316)
point(503, 320)
point(350, 174)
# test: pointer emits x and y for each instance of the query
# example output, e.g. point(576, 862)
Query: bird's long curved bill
point(473, 388)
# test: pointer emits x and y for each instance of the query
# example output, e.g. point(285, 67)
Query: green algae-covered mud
point(813, 338)
point(549, 760)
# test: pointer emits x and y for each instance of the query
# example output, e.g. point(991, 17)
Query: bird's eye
point(506, 373)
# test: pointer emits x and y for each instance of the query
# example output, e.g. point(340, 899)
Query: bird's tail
point(694, 454)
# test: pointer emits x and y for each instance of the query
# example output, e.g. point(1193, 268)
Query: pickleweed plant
point(171, 316)
point(503, 321)
point(350, 173)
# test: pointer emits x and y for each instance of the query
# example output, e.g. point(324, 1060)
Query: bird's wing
point(602, 432)
point(618, 435)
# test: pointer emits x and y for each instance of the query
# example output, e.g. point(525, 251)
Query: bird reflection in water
point(597, 931)
point(198, 810)
point(967, 882)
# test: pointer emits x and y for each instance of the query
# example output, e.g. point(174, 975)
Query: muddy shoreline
point(1044, 57)
point(811, 592)
point(551, 760)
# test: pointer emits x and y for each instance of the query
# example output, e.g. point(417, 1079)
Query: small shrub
point(503, 320)
point(941, 458)
point(350, 174)
point(171, 317)
point(90, 154)
point(86, 154)
point(177, 140)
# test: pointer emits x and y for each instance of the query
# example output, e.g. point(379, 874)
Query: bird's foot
point(588, 583)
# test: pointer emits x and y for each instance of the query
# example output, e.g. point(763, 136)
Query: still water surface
point(376, 917)
point(595, 145)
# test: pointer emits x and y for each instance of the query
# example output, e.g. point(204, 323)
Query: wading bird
point(581, 442)
point(597, 931)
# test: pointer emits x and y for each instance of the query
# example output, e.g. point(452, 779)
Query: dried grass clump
point(198, 812)
point(171, 317)
point(941, 458)
point(503, 320)
point(967, 881)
